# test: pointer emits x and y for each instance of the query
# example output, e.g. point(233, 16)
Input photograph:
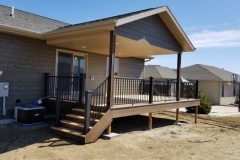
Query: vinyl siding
point(128, 68)
point(150, 30)
point(228, 89)
point(212, 89)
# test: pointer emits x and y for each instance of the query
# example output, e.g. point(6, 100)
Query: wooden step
point(80, 111)
point(65, 132)
point(77, 118)
point(73, 125)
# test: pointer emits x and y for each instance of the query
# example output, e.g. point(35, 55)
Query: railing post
point(196, 89)
point(110, 90)
point(238, 97)
point(46, 84)
point(82, 81)
point(143, 87)
point(87, 111)
point(151, 88)
point(168, 88)
point(58, 108)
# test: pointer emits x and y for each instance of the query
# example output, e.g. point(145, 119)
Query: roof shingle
point(205, 72)
point(159, 72)
point(28, 21)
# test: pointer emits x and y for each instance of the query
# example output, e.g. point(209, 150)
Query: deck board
point(140, 108)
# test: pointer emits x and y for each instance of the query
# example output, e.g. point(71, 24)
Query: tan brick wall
point(23, 63)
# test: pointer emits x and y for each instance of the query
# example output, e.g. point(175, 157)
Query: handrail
point(69, 97)
point(130, 91)
point(53, 82)
point(98, 101)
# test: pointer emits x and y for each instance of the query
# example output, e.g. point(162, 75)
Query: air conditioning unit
point(29, 114)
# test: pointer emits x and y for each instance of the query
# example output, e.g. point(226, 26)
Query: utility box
point(4, 89)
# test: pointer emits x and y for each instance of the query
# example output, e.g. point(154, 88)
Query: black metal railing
point(189, 90)
point(95, 104)
point(130, 91)
point(69, 96)
point(164, 91)
point(53, 82)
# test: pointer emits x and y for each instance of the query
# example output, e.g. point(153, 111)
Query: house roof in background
point(159, 72)
point(206, 72)
point(28, 21)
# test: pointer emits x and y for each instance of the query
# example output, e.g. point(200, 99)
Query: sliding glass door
point(69, 66)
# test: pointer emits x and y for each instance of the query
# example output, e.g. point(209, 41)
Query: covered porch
point(138, 35)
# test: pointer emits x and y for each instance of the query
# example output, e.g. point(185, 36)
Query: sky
point(213, 26)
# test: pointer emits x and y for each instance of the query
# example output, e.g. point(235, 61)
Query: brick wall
point(23, 63)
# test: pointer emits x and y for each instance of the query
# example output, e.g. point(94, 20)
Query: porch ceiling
point(99, 43)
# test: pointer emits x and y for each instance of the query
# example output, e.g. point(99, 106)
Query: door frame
point(72, 53)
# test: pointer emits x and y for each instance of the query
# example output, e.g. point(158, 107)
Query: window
point(116, 67)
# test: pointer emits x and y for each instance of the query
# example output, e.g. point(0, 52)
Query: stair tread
point(75, 116)
point(78, 116)
point(73, 123)
point(69, 131)
point(82, 110)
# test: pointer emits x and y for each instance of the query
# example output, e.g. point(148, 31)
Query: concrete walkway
point(220, 111)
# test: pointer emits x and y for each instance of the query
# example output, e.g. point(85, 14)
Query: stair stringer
point(99, 127)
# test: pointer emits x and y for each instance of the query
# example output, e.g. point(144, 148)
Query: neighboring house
point(162, 74)
point(45, 57)
point(214, 82)
point(159, 72)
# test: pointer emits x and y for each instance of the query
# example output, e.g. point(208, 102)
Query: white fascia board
point(81, 28)
point(180, 28)
point(22, 32)
point(132, 18)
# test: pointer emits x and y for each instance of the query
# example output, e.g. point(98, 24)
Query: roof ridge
point(36, 15)
point(113, 17)
point(158, 71)
point(210, 71)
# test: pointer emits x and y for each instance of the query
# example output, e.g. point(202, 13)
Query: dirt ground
point(211, 138)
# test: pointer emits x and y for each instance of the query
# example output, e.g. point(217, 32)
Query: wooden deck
point(140, 108)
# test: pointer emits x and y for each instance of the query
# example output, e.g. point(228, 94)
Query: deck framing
point(129, 110)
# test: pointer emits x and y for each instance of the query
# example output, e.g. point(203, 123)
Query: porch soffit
point(99, 43)
point(164, 13)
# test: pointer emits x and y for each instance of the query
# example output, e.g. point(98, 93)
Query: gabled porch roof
point(139, 34)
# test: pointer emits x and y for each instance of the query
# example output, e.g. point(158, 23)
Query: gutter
point(21, 32)
point(81, 28)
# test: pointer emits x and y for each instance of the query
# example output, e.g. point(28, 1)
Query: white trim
point(141, 15)
point(21, 32)
point(100, 25)
point(129, 19)
point(180, 29)
point(72, 53)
